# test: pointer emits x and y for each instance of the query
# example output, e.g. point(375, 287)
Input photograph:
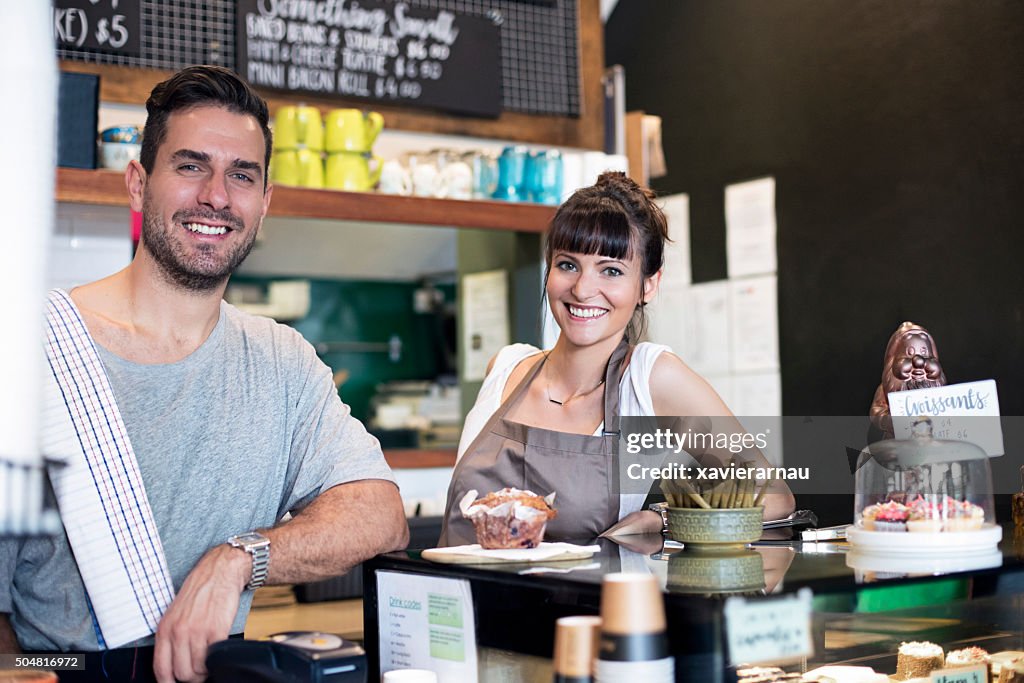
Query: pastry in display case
point(918, 660)
point(923, 496)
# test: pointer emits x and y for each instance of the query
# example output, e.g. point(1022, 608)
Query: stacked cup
point(546, 177)
point(576, 643)
point(350, 137)
point(298, 144)
point(633, 645)
point(525, 176)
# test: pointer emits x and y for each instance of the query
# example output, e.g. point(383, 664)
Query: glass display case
point(861, 613)
point(923, 496)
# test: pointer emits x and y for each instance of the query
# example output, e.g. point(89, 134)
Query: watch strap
point(259, 551)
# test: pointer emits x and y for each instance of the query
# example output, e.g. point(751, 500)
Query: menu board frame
point(376, 51)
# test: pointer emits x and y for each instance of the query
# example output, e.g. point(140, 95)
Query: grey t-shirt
point(246, 428)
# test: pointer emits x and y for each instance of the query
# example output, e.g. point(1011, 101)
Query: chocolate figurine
point(911, 362)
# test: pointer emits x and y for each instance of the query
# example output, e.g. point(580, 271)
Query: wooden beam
point(414, 458)
point(107, 188)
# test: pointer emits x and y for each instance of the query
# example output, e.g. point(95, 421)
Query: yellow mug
point(296, 127)
point(350, 171)
point(297, 168)
point(352, 130)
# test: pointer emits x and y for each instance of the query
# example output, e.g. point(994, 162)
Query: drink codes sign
point(389, 52)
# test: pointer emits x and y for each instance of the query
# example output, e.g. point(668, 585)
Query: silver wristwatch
point(258, 546)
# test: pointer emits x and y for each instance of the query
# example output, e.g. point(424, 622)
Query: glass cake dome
point(923, 494)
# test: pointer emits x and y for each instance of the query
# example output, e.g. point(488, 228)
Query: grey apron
point(580, 468)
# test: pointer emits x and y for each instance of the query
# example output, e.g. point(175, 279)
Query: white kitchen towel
point(99, 490)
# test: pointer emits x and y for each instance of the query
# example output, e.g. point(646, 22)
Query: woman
point(548, 421)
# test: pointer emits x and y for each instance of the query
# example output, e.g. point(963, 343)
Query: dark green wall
point(370, 312)
point(895, 131)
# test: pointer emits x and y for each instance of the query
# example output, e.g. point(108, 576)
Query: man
point(233, 419)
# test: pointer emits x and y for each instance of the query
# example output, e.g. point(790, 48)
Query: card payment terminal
point(292, 657)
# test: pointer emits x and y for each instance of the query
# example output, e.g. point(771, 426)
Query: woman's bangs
point(601, 232)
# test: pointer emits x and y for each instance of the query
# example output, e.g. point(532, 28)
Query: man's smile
point(204, 229)
point(208, 224)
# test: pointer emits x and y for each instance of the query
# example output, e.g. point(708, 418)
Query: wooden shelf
point(107, 188)
point(415, 458)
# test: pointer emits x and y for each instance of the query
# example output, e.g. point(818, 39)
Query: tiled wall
point(89, 242)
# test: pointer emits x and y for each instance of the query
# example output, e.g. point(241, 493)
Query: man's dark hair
point(198, 86)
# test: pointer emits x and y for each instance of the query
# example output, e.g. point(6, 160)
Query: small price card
point(967, 674)
point(769, 630)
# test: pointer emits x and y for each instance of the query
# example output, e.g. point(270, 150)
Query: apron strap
point(611, 388)
point(100, 492)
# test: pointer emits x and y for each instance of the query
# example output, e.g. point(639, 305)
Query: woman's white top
point(634, 397)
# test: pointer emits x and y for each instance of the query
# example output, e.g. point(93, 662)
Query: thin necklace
point(547, 390)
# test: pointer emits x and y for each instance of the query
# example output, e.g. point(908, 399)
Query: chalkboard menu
point(381, 51)
point(106, 25)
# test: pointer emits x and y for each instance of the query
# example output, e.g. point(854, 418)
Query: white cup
point(394, 178)
point(457, 177)
point(409, 676)
point(427, 181)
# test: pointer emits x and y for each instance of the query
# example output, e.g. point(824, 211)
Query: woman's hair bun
point(624, 189)
point(614, 178)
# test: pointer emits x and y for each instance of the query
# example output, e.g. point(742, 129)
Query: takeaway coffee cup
point(633, 645)
point(576, 643)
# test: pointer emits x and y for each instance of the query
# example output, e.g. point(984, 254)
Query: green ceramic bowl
point(715, 527)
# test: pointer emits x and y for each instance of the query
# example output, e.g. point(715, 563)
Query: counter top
point(782, 566)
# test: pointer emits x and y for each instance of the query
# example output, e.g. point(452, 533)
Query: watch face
point(250, 537)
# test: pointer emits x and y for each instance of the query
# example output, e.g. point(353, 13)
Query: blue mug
point(546, 181)
point(511, 174)
point(485, 173)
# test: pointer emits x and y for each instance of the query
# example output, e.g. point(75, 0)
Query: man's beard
point(196, 272)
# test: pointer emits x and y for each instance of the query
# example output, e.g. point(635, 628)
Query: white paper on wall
point(677, 252)
point(750, 228)
point(485, 328)
point(754, 323)
point(709, 317)
point(668, 319)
